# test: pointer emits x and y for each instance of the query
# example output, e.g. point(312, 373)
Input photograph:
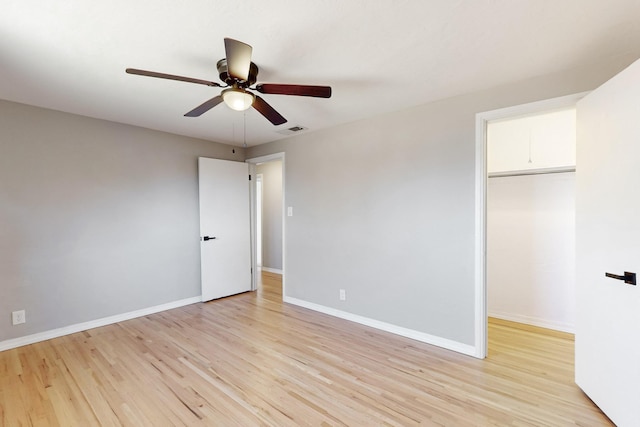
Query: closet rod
point(563, 169)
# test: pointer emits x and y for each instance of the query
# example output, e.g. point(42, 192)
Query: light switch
point(290, 211)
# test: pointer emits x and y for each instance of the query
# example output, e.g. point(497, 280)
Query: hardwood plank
point(252, 360)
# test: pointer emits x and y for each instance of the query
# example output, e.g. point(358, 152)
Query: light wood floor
point(252, 360)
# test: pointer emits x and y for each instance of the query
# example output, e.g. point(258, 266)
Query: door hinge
point(249, 177)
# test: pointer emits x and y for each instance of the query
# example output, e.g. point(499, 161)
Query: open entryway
point(530, 238)
point(267, 216)
point(524, 177)
point(531, 219)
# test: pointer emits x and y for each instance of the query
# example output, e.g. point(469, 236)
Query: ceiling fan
point(238, 74)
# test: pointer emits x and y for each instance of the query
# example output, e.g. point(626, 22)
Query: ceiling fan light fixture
point(238, 73)
point(237, 99)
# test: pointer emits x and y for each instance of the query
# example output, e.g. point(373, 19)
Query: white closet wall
point(531, 249)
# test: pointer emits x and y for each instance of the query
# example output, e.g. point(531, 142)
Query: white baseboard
point(388, 327)
point(271, 270)
point(534, 321)
point(72, 329)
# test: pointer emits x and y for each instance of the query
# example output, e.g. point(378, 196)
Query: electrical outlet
point(343, 295)
point(18, 317)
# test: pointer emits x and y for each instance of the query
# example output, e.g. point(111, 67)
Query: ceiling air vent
point(292, 130)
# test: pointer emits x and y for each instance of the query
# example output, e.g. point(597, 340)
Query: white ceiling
point(378, 55)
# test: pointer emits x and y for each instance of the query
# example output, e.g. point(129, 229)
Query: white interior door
point(225, 246)
point(608, 241)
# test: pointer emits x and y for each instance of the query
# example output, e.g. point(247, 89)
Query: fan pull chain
point(244, 120)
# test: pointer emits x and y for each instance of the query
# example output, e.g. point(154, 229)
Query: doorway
point(482, 176)
point(267, 216)
point(531, 219)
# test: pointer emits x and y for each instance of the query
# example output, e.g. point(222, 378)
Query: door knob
point(205, 238)
point(628, 277)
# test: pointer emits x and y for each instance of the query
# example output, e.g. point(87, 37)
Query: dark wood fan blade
point(208, 105)
point(238, 58)
point(171, 77)
point(299, 90)
point(267, 110)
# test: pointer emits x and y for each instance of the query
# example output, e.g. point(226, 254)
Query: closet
point(531, 219)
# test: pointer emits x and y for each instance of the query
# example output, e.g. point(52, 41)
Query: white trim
point(72, 329)
point(480, 206)
point(267, 158)
point(388, 327)
point(271, 270)
point(252, 226)
point(480, 241)
point(254, 161)
point(534, 321)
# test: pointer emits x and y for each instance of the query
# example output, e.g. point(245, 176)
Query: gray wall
point(96, 218)
point(271, 213)
point(384, 207)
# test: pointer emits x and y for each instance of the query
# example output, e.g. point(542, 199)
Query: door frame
point(258, 198)
point(252, 194)
point(480, 250)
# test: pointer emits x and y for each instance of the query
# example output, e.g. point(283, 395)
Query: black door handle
point(205, 238)
point(628, 277)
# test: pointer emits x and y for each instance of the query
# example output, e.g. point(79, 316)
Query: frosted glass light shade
point(237, 99)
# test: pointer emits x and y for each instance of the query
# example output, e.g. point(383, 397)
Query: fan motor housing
point(223, 72)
